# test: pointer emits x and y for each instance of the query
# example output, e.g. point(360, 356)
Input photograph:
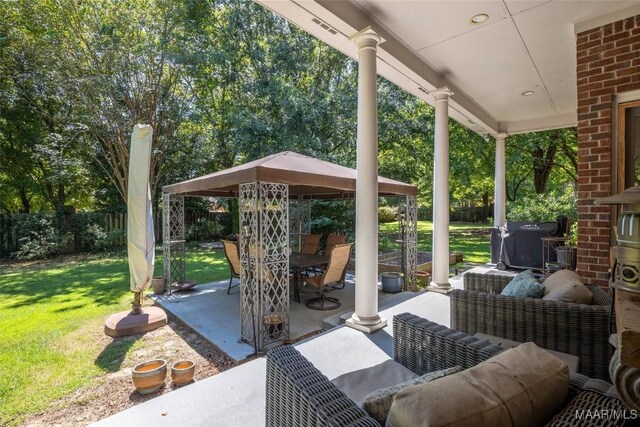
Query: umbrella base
point(124, 323)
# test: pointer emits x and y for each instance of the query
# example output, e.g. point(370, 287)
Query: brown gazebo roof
point(307, 177)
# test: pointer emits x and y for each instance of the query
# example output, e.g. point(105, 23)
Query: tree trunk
point(542, 167)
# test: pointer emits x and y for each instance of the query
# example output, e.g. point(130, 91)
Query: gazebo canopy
point(307, 178)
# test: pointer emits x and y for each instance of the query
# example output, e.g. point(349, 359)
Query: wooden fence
point(199, 226)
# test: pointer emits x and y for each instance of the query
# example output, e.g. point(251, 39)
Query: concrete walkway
point(237, 397)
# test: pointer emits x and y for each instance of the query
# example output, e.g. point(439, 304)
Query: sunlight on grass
point(51, 314)
point(472, 239)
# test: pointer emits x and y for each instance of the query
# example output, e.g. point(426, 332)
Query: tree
point(545, 157)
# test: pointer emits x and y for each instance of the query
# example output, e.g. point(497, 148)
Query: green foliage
point(41, 239)
point(333, 217)
point(544, 207)
point(572, 236)
point(387, 214)
point(203, 230)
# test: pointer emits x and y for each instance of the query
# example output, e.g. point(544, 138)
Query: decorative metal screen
point(264, 255)
point(299, 222)
point(409, 223)
point(173, 241)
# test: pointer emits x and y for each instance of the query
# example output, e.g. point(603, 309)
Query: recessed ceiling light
point(527, 93)
point(480, 18)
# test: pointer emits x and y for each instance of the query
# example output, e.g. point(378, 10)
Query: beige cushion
point(378, 403)
point(566, 286)
point(523, 386)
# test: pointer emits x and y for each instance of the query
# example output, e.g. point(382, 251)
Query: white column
point(366, 316)
point(440, 251)
point(500, 191)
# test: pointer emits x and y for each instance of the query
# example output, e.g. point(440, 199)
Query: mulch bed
point(114, 392)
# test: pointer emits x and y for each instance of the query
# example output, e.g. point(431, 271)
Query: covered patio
point(499, 68)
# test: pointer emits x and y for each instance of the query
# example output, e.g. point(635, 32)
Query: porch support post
point(500, 193)
point(366, 316)
point(440, 251)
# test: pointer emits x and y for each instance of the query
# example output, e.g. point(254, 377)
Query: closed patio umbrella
point(140, 238)
point(140, 241)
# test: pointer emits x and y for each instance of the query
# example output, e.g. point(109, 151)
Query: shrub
point(544, 207)
point(203, 229)
point(40, 238)
point(387, 214)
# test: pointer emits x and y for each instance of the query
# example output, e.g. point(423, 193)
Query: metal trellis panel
point(299, 222)
point(173, 240)
point(264, 256)
point(410, 224)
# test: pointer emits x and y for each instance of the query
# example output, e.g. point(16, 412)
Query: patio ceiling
point(523, 46)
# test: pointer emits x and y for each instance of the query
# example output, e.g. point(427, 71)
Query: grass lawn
point(49, 312)
point(472, 239)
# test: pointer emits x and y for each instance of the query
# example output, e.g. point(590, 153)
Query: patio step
point(385, 302)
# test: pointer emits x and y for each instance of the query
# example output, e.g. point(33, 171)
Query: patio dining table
point(299, 261)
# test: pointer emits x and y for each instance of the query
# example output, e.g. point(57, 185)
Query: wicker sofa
point(578, 329)
point(297, 394)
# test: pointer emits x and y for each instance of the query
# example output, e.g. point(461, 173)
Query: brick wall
point(608, 63)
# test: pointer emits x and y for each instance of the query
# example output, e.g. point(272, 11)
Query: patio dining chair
point(233, 258)
point(333, 274)
point(333, 240)
point(310, 244)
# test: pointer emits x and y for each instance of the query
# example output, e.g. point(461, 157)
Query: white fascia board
point(540, 124)
point(599, 21)
point(396, 62)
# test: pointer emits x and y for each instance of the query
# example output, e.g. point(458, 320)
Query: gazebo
point(274, 195)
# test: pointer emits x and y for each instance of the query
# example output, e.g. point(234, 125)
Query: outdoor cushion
point(378, 403)
point(358, 384)
point(522, 386)
point(566, 286)
point(524, 285)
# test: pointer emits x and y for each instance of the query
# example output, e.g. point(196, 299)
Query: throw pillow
point(566, 286)
point(378, 403)
point(524, 285)
point(522, 386)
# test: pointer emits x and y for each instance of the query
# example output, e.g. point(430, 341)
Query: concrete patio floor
point(237, 397)
point(216, 316)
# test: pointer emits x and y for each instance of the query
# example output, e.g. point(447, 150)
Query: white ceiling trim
point(599, 21)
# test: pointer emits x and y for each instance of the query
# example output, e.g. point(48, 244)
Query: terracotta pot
point(275, 325)
point(149, 376)
point(182, 372)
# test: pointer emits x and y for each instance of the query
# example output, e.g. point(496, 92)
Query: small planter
point(392, 281)
point(182, 372)
point(158, 285)
point(275, 325)
point(149, 376)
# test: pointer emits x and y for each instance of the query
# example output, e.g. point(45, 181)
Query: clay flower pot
point(275, 325)
point(182, 372)
point(149, 376)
